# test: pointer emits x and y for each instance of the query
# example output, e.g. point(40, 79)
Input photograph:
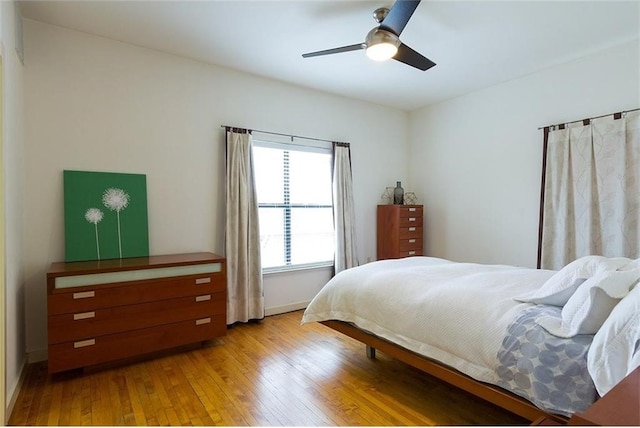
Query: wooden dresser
point(399, 231)
point(104, 311)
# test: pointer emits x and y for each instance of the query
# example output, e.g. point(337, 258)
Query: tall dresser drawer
point(410, 222)
point(411, 244)
point(412, 232)
point(81, 299)
point(80, 325)
point(410, 253)
point(102, 349)
point(410, 211)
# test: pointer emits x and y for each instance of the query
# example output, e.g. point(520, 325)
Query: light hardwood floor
point(271, 373)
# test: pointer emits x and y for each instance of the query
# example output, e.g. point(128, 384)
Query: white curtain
point(592, 191)
point(343, 209)
point(245, 294)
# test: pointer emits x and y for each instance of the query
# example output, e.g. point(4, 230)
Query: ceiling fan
point(383, 42)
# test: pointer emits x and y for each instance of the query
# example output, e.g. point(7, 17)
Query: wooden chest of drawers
point(103, 311)
point(399, 231)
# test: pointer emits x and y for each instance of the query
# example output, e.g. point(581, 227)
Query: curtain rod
point(590, 118)
point(282, 135)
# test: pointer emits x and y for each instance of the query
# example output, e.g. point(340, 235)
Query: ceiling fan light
point(381, 51)
point(381, 44)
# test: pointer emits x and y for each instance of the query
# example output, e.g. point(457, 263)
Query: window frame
point(313, 146)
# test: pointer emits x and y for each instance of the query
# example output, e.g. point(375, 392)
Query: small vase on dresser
point(398, 194)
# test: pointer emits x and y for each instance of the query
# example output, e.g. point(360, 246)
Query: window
point(294, 204)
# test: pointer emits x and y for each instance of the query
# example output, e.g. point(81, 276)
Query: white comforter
point(456, 313)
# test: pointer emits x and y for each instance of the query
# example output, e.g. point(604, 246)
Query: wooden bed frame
point(493, 394)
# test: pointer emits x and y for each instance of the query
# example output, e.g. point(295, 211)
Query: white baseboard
point(32, 357)
point(285, 308)
point(13, 394)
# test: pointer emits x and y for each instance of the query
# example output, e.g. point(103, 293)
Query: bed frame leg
point(371, 352)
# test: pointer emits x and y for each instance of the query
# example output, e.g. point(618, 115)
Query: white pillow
point(633, 264)
point(615, 350)
point(591, 304)
point(561, 286)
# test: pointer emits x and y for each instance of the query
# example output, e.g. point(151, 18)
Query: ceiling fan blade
point(399, 15)
point(414, 59)
point(349, 48)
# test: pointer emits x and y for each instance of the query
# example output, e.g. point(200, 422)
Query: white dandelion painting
point(95, 216)
point(116, 200)
point(105, 214)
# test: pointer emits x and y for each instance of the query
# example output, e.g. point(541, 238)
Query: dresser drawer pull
point(84, 343)
point(203, 321)
point(412, 229)
point(412, 253)
point(84, 295)
point(412, 209)
point(84, 316)
point(203, 281)
point(412, 241)
point(412, 219)
point(203, 298)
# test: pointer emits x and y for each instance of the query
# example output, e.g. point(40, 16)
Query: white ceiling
point(475, 44)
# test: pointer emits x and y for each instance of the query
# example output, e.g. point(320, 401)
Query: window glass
point(312, 235)
point(310, 178)
point(268, 166)
point(272, 236)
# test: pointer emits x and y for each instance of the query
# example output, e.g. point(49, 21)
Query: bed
point(520, 338)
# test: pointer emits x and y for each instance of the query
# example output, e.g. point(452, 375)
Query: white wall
point(12, 170)
point(476, 160)
point(99, 105)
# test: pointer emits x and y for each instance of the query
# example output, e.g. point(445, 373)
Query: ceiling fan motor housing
point(377, 36)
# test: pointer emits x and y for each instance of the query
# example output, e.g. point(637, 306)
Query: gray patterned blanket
point(549, 371)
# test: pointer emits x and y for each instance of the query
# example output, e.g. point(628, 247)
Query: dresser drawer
point(412, 232)
point(81, 325)
point(410, 253)
point(82, 299)
point(102, 349)
point(410, 244)
point(411, 221)
point(410, 211)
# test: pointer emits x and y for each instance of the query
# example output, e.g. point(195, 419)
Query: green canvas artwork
point(105, 215)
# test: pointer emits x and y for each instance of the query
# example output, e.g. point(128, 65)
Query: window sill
point(309, 266)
